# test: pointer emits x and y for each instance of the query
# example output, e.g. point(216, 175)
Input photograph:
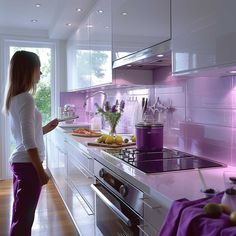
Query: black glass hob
point(162, 161)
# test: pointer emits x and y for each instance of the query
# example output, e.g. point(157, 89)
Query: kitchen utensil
point(204, 186)
point(69, 111)
point(149, 137)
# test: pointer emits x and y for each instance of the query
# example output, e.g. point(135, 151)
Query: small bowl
point(210, 192)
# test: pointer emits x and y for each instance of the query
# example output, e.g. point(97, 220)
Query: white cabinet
point(138, 24)
point(101, 43)
point(203, 34)
point(154, 215)
point(78, 58)
point(72, 172)
point(89, 49)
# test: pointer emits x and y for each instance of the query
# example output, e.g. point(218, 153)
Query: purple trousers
point(27, 190)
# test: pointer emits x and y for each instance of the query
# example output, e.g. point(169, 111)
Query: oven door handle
point(109, 204)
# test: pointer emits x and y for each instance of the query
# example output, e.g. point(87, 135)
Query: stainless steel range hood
point(149, 58)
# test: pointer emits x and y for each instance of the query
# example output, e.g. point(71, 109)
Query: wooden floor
point(51, 218)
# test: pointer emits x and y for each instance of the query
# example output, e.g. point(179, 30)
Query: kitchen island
point(159, 190)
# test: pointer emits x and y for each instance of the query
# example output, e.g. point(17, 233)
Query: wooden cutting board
point(111, 145)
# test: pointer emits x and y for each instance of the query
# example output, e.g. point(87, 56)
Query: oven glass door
point(113, 217)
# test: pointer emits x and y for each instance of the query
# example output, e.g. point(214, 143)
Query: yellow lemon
point(109, 140)
point(104, 137)
point(100, 140)
point(133, 139)
point(233, 217)
point(213, 210)
point(225, 208)
point(118, 140)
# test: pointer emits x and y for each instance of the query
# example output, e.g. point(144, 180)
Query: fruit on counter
point(213, 210)
point(133, 139)
point(104, 137)
point(118, 140)
point(109, 140)
point(100, 140)
point(126, 140)
point(232, 217)
point(225, 208)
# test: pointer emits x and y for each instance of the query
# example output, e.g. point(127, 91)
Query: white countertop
point(164, 187)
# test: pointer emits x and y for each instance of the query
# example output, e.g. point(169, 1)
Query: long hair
point(20, 79)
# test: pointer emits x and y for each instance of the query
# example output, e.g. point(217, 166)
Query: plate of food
point(82, 132)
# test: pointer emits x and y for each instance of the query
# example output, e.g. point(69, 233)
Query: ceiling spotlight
point(34, 21)
point(160, 55)
point(68, 24)
point(89, 26)
point(100, 11)
point(124, 13)
point(232, 72)
point(78, 9)
point(38, 5)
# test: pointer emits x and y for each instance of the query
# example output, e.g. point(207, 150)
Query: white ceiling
point(52, 17)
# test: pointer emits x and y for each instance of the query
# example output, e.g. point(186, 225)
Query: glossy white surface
point(146, 23)
point(203, 34)
point(89, 50)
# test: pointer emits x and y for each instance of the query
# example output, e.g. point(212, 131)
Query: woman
point(26, 126)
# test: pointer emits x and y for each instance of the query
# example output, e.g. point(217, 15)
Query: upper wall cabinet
point(78, 59)
point(203, 34)
point(89, 49)
point(101, 43)
point(138, 24)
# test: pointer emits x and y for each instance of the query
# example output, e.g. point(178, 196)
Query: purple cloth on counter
point(187, 218)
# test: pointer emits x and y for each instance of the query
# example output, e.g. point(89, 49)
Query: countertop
point(164, 187)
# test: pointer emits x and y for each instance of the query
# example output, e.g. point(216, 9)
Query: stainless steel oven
point(118, 204)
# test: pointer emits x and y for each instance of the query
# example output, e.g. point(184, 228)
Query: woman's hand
point(50, 126)
point(43, 178)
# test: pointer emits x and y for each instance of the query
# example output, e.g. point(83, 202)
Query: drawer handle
point(150, 206)
point(141, 228)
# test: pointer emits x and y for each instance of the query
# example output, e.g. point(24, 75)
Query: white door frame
point(55, 91)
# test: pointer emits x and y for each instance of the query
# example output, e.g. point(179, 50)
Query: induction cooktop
point(162, 161)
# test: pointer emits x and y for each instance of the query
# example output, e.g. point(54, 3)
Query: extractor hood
point(150, 58)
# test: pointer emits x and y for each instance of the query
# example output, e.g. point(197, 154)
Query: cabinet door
point(60, 172)
point(100, 43)
point(203, 34)
point(138, 24)
point(81, 179)
point(154, 213)
point(78, 59)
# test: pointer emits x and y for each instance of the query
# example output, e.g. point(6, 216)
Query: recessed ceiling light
point(68, 24)
point(106, 27)
point(232, 72)
point(124, 13)
point(89, 26)
point(160, 55)
point(100, 11)
point(34, 21)
point(38, 5)
point(78, 9)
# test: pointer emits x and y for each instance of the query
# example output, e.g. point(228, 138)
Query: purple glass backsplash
point(76, 98)
point(204, 120)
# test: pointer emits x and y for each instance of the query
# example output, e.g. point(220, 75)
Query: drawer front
point(80, 156)
point(81, 180)
point(154, 212)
